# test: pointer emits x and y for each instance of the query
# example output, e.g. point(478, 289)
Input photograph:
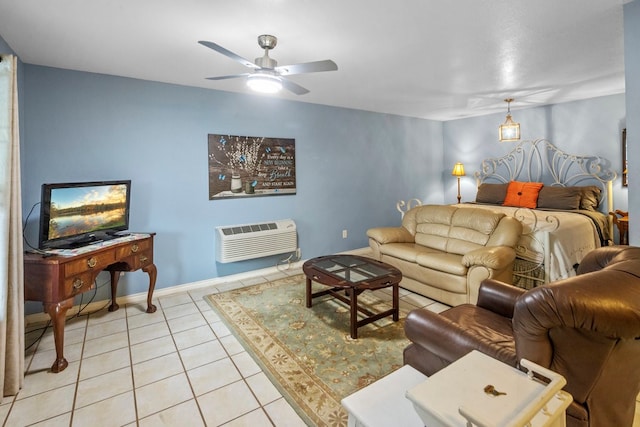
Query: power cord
point(32, 248)
point(293, 257)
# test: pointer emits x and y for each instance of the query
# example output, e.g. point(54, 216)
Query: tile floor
point(177, 366)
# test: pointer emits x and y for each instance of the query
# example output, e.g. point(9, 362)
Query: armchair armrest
point(438, 335)
point(384, 235)
point(498, 297)
point(494, 257)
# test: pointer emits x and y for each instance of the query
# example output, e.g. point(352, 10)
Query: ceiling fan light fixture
point(509, 131)
point(264, 83)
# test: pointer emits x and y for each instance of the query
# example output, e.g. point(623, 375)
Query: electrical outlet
point(298, 254)
point(344, 234)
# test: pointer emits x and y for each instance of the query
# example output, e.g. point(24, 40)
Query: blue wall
point(351, 166)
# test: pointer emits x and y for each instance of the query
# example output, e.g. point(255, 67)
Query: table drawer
point(140, 260)
point(77, 284)
point(97, 262)
point(135, 247)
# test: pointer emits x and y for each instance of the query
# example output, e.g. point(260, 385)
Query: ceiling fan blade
point(307, 67)
point(231, 76)
point(229, 54)
point(294, 87)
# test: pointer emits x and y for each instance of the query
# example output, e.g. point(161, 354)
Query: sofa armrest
point(438, 335)
point(494, 257)
point(498, 297)
point(384, 235)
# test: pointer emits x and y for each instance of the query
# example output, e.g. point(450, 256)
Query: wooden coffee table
point(348, 276)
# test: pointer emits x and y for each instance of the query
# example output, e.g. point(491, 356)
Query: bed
point(561, 199)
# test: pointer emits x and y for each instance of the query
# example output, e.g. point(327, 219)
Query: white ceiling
point(434, 59)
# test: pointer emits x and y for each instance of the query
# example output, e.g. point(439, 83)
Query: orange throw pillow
point(522, 194)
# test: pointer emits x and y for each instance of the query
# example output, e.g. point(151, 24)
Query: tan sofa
point(444, 252)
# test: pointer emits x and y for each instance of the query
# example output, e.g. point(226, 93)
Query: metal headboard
point(541, 161)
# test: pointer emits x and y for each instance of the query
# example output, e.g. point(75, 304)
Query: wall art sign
point(250, 166)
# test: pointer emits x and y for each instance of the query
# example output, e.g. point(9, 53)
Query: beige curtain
point(11, 263)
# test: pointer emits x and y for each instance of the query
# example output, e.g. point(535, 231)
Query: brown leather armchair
point(587, 328)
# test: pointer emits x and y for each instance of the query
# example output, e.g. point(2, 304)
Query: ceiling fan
point(267, 76)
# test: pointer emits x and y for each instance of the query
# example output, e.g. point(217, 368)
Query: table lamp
point(458, 171)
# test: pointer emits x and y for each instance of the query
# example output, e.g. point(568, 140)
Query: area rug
point(308, 352)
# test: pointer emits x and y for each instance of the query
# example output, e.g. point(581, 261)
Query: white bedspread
point(571, 237)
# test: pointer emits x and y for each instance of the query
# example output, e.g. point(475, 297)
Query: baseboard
point(159, 293)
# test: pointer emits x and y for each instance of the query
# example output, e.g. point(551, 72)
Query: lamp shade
point(458, 169)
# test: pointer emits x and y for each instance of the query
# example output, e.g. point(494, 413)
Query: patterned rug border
point(321, 406)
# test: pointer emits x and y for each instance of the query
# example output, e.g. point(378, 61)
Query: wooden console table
point(56, 280)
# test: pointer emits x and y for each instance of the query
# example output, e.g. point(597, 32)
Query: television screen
point(74, 214)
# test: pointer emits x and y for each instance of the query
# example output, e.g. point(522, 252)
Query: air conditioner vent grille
point(248, 241)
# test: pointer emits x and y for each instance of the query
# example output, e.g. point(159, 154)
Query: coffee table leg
point(396, 302)
point(308, 292)
point(354, 313)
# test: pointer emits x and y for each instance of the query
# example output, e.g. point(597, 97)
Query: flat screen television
point(80, 213)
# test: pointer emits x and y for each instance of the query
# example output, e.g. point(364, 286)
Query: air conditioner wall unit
point(248, 241)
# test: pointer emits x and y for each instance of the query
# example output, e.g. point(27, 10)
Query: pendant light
point(509, 130)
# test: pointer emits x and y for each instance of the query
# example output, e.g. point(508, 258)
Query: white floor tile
point(183, 414)
point(283, 414)
point(264, 389)
point(120, 410)
point(220, 329)
point(181, 310)
point(231, 344)
point(163, 394)
point(43, 359)
point(102, 387)
point(105, 344)
point(73, 336)
point(201, 354)
point(213, 376)
point(227, 403)
point(139, 319)
point(45, 380)
point(252, 419)
point(177, 299)
point(140, 307)
point(245, 363)
point(148, 332)
point(156, 369)
point(63, 420)
point(192, 337)
point(186, 322)
point(106, 362)
point(41, 406)
point(105, 327)
point(151, 349)
point(105, 315)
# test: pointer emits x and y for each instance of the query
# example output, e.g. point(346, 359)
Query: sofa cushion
point(404, 251)
point(432, 225)
point(471, 229)
point(442, 261)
